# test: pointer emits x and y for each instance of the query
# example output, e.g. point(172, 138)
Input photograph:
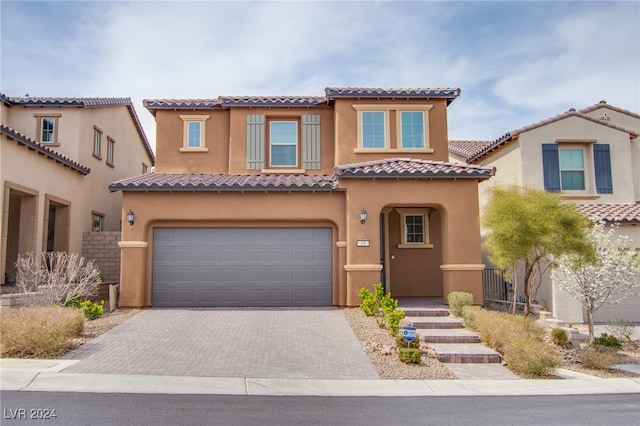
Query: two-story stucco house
point(301, 201)
point(590, 156)
point(57, 158)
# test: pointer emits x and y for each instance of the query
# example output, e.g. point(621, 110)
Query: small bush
point(369, 303)
point(393, 321)
point(410, 355)
point(622, 329)
point(92, 310)
point(597, 359)
point(39, 332)
point(401, 343)
point(531, 358)
point(559, 337)
point(457, 300)
point(606, 341)
point(469, 316)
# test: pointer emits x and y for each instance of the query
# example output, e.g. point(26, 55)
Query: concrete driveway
point(300, 343)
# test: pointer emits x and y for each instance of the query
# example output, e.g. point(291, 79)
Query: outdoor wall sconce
point(363, 216)
point(130, 217)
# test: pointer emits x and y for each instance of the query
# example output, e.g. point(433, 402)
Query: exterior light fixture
point(363, 216)
point(130, 217)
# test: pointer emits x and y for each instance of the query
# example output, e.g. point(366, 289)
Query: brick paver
point(311, 343)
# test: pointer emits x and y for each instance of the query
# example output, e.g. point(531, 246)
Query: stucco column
point(133, 256)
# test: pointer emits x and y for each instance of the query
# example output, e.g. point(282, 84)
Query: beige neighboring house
point(592, 157)
point(57, 158)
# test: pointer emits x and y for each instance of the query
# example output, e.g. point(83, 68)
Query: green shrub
point(559, 336)
point(597, 359)
point(531, 358)
point(70, 301)
point(369, 303)
point(469, 316)
point(393, 321)
point(458, 299)
point(39, 332)
point(92, 310)
point(606, 342)
point(401, 343)
point(410, 355)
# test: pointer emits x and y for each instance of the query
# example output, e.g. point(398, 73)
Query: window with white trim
point(110, 151)
point(412, 129)
point(48, 129)
point(414, 228)
point(572, 169)
point(373, 129)
point(194, 133)
point(283, 143)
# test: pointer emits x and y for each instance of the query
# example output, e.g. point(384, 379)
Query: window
point(48, 128)
point(373, 129)
point(412, 129)
point(97, 220)
point(571, 169)
point(414, 228)
point(283, 143)
point(145, 168)
point(110, 148)
point(194, 133)
point(97, 142)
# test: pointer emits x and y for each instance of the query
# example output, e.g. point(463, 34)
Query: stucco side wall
point(209, 209)
point(580, 129)
point(508, 164)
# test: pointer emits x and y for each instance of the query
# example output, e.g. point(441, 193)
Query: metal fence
point(494, 285)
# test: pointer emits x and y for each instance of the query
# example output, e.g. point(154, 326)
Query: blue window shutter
point(602, 166)
point(311, 142)
point(551, 167)
point(255, 141)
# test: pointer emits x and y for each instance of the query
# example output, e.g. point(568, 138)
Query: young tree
point(533, 227)
point(607, 279)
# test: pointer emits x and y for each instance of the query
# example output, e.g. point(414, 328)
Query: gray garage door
point(242, 267)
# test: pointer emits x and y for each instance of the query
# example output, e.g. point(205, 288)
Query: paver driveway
point(313, 343)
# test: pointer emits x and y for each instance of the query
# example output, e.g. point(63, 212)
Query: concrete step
point(448, 335)
point(465, 353)
point(425, 312)
point(481, 372)
point(435, 322)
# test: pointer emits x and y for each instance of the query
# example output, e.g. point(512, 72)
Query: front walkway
point(286, 343)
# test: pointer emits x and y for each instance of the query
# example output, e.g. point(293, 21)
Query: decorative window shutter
point(255, 141)
point(551, 167)
point(311, 142)
point(602, 166)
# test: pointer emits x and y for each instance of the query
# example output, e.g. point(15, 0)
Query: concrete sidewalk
point(47, 376)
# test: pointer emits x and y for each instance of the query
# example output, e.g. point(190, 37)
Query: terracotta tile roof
point(180, 103)
point(507, 137)
point(413, 168)
point(623, 213)
point(366, 92)
point(89, 103)
point(272, 100)
point(467, 148)
point(223, 182)
point(604, 104)
point(32, 145)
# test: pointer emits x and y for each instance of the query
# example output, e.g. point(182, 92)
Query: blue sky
point(516, 62)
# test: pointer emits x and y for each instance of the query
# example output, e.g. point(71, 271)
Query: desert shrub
point(458, 299)
point(559, 336)
point(401, 343)
point(39, 332)
point(469, 316)
point(92, 310)
point(369, 303)
point(382, 307)
point(410, 355)
point(531, 358)
point(622, 329)
point(606, 342)
point(597, 359)
point(393, 321)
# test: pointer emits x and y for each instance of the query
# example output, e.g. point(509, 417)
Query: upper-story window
point(111, 146)
point(572, 169)
point(393, 128)
point(48, 128)
point(577, 167)
point(194, 133)
point(283, 143)
point(145, 168)
point(97, 142)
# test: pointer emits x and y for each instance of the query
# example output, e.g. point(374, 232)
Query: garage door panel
point(242, 267)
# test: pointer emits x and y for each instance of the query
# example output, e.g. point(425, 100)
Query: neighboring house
point(57, 158)
point(301, 201)
point(590, 156)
